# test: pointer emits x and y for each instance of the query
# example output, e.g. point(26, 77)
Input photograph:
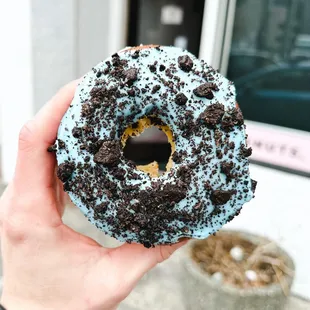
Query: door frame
point(216, 33)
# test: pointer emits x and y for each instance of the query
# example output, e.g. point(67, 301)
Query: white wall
point(16, 95)
point(93, 33)
point(54, 37)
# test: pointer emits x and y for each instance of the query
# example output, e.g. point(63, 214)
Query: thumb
point(134, 260)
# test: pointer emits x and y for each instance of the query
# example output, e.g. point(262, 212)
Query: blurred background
point(263, 46)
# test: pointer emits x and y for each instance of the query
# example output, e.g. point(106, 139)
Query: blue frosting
point(215, 156)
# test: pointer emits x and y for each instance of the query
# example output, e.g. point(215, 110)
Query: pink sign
point(279, 146)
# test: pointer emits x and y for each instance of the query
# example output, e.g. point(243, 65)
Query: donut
point(207, 179)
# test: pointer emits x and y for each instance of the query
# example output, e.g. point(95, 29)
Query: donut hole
point(149, 146)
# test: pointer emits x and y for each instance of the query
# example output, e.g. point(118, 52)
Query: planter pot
point(202, 292)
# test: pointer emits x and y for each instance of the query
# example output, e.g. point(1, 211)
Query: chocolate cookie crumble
point(65, 171)
point(233, 118)
point(131, 75)
point(52, 148)
point(185, 63)
point(245, 152)
point(213, 114)
point(205, 90)
point(254, 184)
point(77, 132)
point(180, 99)
point(108, 154)
point(220, 197)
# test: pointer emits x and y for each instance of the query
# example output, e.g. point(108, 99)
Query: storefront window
point(270, 61)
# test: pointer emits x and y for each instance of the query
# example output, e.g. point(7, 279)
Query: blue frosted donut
point(207, 181)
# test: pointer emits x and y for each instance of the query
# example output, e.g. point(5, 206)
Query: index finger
point(49, 117)
point(35, 166)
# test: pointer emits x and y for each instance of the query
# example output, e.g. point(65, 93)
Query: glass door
point(269, 62)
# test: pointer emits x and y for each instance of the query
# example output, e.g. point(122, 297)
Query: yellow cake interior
point(152, 169)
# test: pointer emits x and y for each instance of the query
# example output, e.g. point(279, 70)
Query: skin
point(46, 264)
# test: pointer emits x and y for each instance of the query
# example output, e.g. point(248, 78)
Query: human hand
point(46, 264)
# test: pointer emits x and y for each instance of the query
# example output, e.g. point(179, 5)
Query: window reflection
point(270, 61)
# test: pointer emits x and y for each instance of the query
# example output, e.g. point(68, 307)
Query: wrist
point(15, 304)
point(11, 303)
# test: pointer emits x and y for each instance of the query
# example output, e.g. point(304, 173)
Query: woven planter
point(202, 292)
